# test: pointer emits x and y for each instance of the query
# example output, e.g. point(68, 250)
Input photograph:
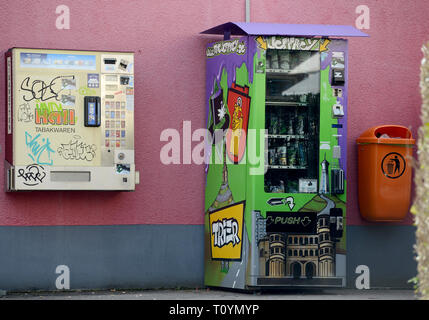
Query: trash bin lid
point(387, 134)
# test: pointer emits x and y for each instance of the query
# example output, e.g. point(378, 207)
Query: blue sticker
point(93, 80)
point(91, 113)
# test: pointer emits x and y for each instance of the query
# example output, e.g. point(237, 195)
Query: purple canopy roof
point(281, 29)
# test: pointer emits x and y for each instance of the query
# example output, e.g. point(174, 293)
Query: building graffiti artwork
point(32, 174)
point(324, 181)
point(300, 255)
point(76, 149)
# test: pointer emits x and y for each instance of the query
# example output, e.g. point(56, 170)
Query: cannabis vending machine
point(69, 120)
point(275, 195)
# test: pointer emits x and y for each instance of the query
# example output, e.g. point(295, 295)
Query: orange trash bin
point(384, 172)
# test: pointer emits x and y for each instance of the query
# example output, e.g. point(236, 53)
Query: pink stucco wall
point(170, 75)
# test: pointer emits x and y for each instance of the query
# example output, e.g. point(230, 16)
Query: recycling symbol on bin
point(393, 165)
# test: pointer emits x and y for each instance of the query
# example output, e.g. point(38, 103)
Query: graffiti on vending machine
point(226, 47)
point(291, 43)
point(36, 89)
point(225, 231)
point(226, 234)
point(24, 113)
point(32, 175)
point(54, 114)
point(76, 149)
point(39, 149)
point(238, 102)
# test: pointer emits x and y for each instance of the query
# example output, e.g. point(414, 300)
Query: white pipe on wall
point(247, 10)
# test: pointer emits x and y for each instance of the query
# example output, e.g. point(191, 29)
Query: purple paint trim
point(280, 29)
point(340, 46)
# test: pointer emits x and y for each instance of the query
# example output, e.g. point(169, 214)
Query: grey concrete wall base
point(101, 257)
point(388, 252)
point(167, 256)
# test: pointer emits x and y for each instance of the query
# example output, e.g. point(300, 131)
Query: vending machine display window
point(292, 118)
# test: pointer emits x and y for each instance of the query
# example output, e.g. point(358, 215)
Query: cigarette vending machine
point(69, 120)
point(275, 195)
